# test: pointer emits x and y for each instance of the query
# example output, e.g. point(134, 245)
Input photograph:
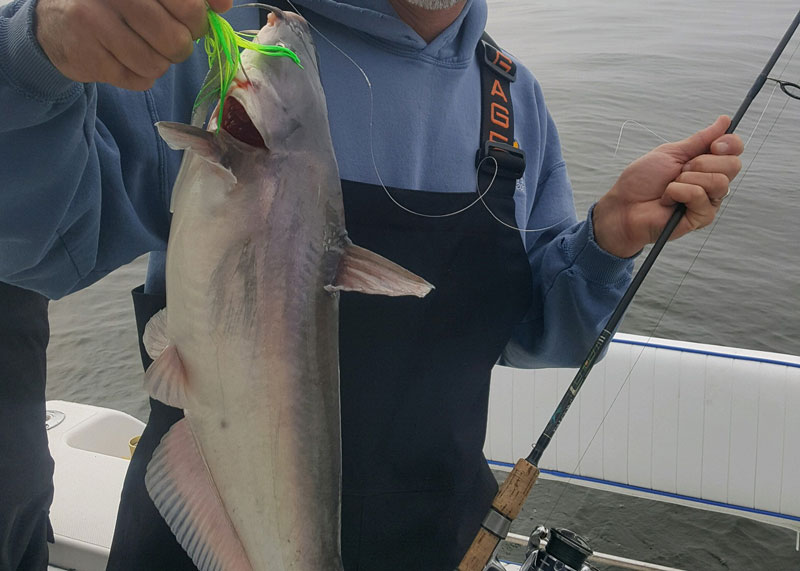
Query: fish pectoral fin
point(155, 337)
point(203, 143)
point(367, 272)
point(183, 491)
point(165, 378)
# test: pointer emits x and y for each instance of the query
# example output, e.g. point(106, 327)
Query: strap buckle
point(510, 160)
point(499, 62)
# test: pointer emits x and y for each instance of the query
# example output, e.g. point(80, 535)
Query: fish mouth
point(237, 123)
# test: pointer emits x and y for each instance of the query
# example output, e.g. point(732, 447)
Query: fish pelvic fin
point(155, 337)
point(165, 378)
point(183, 491)
point(365, 271)
point(202, 143)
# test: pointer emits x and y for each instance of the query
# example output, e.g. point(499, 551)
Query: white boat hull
point(91, 450)
point(700, 425)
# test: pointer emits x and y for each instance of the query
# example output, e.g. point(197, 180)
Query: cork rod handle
point(508, 502)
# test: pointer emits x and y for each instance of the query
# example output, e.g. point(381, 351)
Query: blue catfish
point(248, 343)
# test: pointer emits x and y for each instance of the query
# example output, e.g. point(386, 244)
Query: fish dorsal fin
point(202, 143)
point(165, 378)
point(367, 272)
point(183, 491)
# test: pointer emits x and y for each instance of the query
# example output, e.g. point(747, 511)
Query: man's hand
point(127, 43)
point(695, 171)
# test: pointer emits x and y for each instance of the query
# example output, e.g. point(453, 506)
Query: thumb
point(700, 142)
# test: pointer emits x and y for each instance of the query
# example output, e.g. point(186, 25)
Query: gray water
point(673, 67)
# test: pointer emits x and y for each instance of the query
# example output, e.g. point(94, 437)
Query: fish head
point(273, 101)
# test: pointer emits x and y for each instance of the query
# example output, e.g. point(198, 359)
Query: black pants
point(142, 539)
point(26, 468)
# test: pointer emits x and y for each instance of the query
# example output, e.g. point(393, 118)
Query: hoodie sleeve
point(576, 284)
point(71, 208)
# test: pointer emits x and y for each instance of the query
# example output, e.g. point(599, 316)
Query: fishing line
point(489, 210)
point(683, 278)
point(481, 194)
point(625, 124)
point(760, 117)
point(660, 319)
point(666, 309)
point(784, 85)
point(778, 84)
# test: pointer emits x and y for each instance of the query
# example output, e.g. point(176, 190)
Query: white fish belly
point(258, 336)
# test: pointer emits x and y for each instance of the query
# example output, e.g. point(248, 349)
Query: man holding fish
point(258, 260)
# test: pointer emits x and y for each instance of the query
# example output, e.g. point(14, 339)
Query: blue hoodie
point(86, 180)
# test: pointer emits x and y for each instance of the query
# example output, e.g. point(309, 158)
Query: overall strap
point(498, 72)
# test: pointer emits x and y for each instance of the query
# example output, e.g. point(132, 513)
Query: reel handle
point(508, 503)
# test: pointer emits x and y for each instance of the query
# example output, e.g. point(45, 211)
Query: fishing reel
point(552, 550)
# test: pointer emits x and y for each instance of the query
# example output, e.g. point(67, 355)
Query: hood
point(377, 20)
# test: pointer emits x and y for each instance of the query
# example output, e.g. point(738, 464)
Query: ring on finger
point(715, 202)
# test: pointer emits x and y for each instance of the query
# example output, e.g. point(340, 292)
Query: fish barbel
point(248, 342)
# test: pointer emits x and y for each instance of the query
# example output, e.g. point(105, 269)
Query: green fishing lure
point(223, 46)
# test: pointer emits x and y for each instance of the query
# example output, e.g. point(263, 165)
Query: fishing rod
point(512, 494)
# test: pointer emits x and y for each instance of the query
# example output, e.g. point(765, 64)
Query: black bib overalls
point(414, 388)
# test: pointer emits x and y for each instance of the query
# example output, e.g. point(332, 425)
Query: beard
point(434, 4)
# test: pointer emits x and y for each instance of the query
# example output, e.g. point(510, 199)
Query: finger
point(98, 64)
point(725, 164)
point(166, 35)
point(191, 13)
point(115, 73)
point(114, 54)
point(700, 142)
point(133, 52)
point(699, 210)
point(715, 184)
